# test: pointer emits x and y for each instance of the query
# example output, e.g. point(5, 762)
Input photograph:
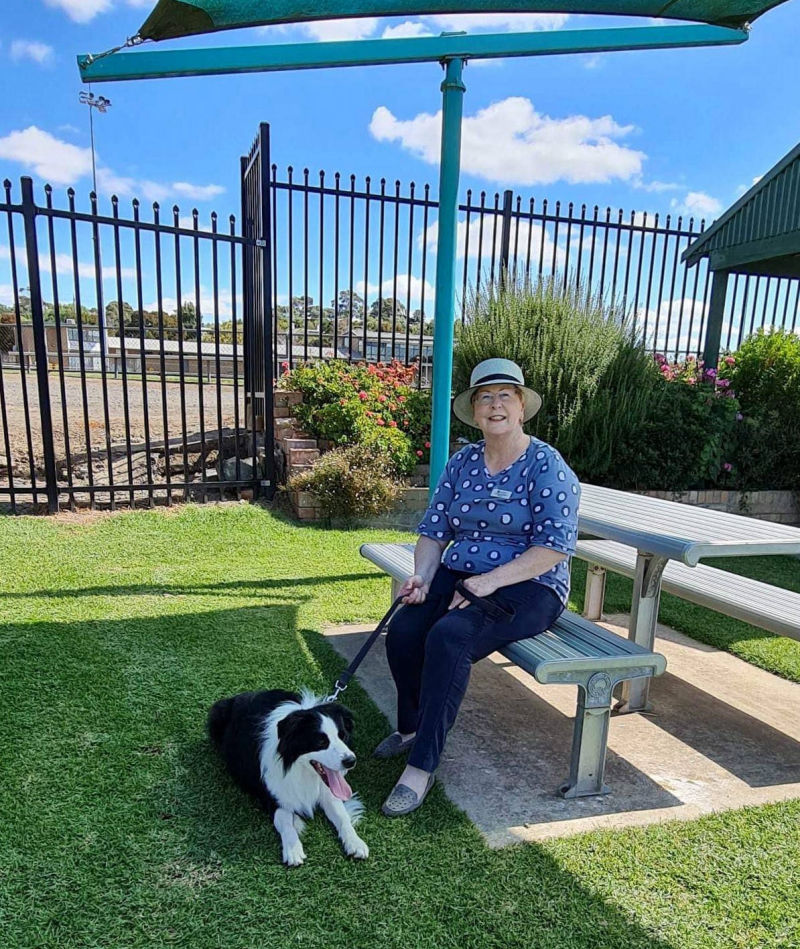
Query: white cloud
point(56, 161)
point(673, 321)
point(657, 186)
point(224, 305)
point(62, 163)
point(697, 204)
point(198, 192)
point(510, 143)
point(541, 244)
point(186, 221)
point(404, 30)
point(31, 49)
point(64, 265)
point(82, 11)
point(500, 22)
point(355, 29)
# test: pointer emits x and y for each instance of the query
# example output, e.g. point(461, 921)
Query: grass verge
point(119, 829)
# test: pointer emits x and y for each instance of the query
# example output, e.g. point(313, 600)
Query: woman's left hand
point(480, 585)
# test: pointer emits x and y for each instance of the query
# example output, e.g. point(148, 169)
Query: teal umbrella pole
point(449, 169)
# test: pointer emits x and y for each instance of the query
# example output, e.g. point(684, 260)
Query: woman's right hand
point(415, 590)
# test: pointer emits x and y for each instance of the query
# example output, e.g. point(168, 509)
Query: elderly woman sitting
point(503, 520)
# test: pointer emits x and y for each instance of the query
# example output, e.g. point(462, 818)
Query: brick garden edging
point(296, 452)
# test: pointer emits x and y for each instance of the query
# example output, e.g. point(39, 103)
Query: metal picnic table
point(663, 530)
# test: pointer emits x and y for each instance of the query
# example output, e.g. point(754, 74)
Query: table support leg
point(642, 629)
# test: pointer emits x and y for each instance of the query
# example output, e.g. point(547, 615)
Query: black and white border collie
point(290, 752)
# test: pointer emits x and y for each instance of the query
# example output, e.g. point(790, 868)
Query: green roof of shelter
point(174, 18)
point(760, 233)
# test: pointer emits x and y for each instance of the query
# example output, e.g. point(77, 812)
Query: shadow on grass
point(234, 587)
point(128, 815)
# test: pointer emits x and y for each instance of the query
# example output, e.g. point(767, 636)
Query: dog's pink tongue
point(339, 787)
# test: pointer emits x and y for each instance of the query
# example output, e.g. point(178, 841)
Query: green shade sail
point(174, 18)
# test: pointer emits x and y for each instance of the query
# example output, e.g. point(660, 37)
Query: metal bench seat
point(751, 601)
point(574, 651)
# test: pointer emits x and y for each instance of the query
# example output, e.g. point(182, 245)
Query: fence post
point(716, 307)
point(505, 235)
point(39, 343)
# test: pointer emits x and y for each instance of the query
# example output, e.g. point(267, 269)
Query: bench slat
point(571, 645)
point(751, 601)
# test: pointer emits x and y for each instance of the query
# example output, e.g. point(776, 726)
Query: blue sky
point(681, 131)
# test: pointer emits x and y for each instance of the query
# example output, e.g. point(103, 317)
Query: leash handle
point(344, 680)
point(494, 610)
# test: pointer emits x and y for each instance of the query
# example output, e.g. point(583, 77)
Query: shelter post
point(716, 306)
point(453, 90)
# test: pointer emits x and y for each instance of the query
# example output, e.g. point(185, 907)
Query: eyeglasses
point(487, 398)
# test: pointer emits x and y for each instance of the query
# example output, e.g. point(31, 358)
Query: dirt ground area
point(73, 413)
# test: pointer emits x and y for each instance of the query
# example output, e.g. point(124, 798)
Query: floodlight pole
point(453, 90)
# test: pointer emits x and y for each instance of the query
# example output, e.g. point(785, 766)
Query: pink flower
point(739, 416)
point(427, 444)
point(381, 398)
point(381, 421)
point(401, 398)
point(419, 453)
point(727, 466)
point(362, 395)
point(392, 424)
point(730, 361)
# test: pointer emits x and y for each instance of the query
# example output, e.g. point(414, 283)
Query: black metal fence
point(138, 357)
point(354, 268)
point(124, 372)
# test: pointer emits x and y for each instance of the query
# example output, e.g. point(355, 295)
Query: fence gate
point(257, 299)
point(129, 372)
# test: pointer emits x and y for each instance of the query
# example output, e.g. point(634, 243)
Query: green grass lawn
point(119, 829)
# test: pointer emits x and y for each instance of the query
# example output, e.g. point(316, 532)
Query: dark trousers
point(431, 650)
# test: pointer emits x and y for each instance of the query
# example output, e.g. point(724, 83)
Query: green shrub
point(687, 442)
point(597, 383)
point(350, 482)
point(766, 378)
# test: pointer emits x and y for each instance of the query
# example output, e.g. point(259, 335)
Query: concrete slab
point(723, 735)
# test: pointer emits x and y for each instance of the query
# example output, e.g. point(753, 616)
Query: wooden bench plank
point(752, 601)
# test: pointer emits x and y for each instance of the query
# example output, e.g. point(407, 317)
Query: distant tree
point(392, 313)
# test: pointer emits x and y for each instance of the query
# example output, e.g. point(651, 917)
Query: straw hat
point(492, 372)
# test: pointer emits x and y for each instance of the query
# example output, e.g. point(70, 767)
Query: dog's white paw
point(355, 847)
point(294, 855)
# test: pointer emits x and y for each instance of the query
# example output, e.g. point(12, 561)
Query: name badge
point(500, 493)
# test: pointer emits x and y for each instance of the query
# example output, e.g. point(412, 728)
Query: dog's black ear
point(297, 734)
point(344, 718)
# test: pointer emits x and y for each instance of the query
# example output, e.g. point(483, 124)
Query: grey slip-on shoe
point(393, 745)
point(403, 800)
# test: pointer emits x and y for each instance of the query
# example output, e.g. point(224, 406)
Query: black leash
point(494, 610)
point(344, 679)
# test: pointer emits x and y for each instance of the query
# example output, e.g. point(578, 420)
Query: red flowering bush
point(359, 404)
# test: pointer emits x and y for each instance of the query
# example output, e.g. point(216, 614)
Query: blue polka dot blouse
point(490, 519)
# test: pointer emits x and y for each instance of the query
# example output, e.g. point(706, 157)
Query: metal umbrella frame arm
point(452, 51)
